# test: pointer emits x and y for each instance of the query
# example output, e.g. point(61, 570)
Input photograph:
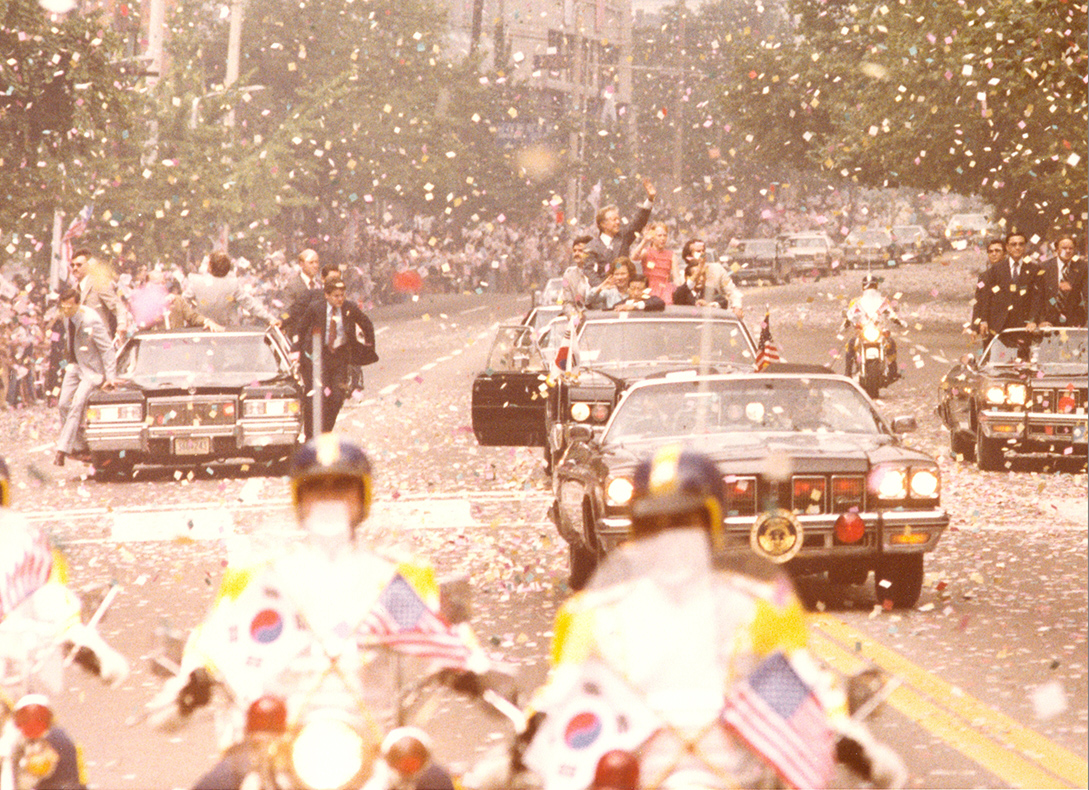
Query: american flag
point(76, 228)
point(776, 713)
point(402, 620)
point(26, 560)
point(767, 351)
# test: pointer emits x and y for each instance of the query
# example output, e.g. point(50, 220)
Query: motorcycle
point(330, 705)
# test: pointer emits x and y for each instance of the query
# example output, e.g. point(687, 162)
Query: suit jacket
point(100, 295)
point(683, 295)
point(297, 296)
point(1063, 308)
point(1004, 304)
point(181, 314)
point(220, 298)
point(93, 345)
point(358, 332)
point(600, 256)
point(720, 287)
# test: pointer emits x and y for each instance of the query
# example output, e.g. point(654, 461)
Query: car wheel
point(111, 466)
point(899, 579)
point(962, 445)
point(871, 378)
point(988, 452)
point(848, 575)
point(582, 563)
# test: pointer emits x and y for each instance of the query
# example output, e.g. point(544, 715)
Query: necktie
point(71, 340)
point(1015, 271)
point(1065, 271)
point(331, 335)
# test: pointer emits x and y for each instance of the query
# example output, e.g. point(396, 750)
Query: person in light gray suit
point(91, 364)
point(219, 294)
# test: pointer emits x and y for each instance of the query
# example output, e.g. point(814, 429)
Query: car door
point(511, 396)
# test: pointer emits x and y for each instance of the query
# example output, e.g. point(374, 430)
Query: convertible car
point(816, 480)
point(519, 401)
point(1027, 393)
point(190, 396)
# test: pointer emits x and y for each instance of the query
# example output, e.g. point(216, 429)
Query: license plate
point(873, 353)
point(198, 445)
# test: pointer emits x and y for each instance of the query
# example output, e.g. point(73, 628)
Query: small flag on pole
point(62, 265)
point(401, 619)
point(567, 356)
point(777, 714)
point(767, 350)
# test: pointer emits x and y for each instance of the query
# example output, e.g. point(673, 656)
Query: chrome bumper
point(247, 433)
point(1035, 426)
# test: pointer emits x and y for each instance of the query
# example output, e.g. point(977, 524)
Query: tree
point(985, 98)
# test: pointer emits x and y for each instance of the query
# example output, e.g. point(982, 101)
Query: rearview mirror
point(904, 425)
point(580, 433)
point(968, 360)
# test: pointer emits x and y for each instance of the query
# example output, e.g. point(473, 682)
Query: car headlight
point(925, 483)
point(327, 754)
point(871, 333)
point(890, 483)
point(995, 394)
point(119, 412)
point(619, 491)
point(580, 412)
point(270, 407)
point(1017, 394)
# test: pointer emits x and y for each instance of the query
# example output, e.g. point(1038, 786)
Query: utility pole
point(678, 114)
point(234, 46)
point(154, 55)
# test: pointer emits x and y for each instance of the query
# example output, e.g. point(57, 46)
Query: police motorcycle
point(746, 705)
point(871, 352)
point(42, 632)
point(319, 661)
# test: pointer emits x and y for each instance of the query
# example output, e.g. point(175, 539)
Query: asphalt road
point(992, 661)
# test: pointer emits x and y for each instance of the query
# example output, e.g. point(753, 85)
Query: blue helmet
point(673, 484)
point(329, 456)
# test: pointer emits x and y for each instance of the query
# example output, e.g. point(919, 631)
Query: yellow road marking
point(995, 741)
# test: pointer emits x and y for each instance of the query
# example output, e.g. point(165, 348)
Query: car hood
point(749, 453)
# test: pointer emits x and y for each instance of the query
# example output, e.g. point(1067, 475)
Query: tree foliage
point(985, 97)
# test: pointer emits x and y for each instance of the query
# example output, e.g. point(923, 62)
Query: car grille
point(1065, 400)
point(194, 411)
point(803, 494)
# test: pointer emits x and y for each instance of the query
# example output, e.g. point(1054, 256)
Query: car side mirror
point(580, 433)
point(969, 360)
point(904, 424)
point(455, 598)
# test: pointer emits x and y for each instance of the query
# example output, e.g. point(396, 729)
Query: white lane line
point(411, 375)
point(381, 329)
point(386, 390)
point(473, 309)
point(41, 448)
point(444, 359)
point(456, 352)
point(428, 366)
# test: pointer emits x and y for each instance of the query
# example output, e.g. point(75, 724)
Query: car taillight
point(808, 495)
point(267, 714)
point(847, 493)
point(33, 716)
point(849, 528)
point(600, 412)
point(740, 495)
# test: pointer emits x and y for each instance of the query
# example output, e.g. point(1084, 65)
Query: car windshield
point(624, 342)
point(868, 237)
point(908, 233)
point(1061, 350)
point(541, 317)
point(757, 248)
point(198, 360)
point(968, 221)
point(748, 405)
point(806, 242)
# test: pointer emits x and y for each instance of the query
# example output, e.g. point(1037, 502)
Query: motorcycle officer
point(316, 616)
point(871, 305)
point(649, 658)
point(38, 613)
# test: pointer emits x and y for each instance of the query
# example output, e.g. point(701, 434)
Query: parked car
point(914, 244)
point(1026, 393)
point(810, 253)
point(190, 396)
point(816, 480)
point(551, 293)
point(965, 229)
point(760, 259)
point(868, 248)
point(517, 402)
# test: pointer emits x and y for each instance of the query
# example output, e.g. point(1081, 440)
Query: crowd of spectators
point(389, 261)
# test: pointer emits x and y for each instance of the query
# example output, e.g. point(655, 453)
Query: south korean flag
point(589, 711)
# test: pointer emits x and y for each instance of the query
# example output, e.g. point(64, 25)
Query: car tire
point(871, 377)
point(582, 564)
point(962, 445)
point(989, 453)
point(899, 580)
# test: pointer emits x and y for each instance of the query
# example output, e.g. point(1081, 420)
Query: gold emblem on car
point(776, 535)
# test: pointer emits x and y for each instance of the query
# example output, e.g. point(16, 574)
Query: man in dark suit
point(303, 283)
point(1008, 291)
point(346, 337)
point(614, 241)
point(1065, 287)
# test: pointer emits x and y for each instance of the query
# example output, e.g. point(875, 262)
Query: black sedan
point(1027, 393)
point(760, 259)
point(523, 399)
point(815, 479)
point(191, 396)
